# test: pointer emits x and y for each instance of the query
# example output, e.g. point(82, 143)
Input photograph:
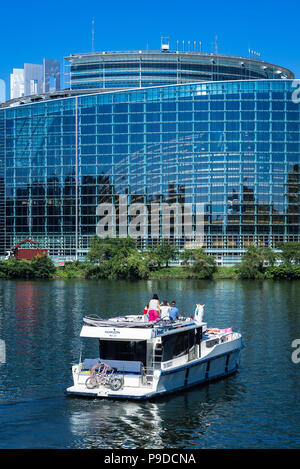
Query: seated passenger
point(174, 312)
point(164, 310)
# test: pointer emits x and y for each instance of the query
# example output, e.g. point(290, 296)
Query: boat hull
point(191, 374)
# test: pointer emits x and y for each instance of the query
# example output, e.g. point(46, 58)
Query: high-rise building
point(35, 79)
point(2, 91)
point(197, 148)
point(51, 75)
point(17, 83)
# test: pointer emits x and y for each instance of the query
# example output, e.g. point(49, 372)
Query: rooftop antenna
point(93, 35)
point(177, 43)
point(216, 45)
point(183, 46)
point(200, 46)
point(253, 54)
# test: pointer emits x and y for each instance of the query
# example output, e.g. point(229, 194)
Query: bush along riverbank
point(39, 268)
point(119, 258)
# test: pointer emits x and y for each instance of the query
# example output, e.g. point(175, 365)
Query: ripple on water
point(256, 408)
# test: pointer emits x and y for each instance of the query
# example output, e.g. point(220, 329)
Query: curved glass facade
point(231, 147)
point(142, 69)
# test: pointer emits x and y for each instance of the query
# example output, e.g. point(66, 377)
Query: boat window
point(89, 348)
point(179, 344)
point(128, 350)
point(211, 343)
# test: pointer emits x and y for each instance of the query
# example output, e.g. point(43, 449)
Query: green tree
point(132, 266)
point(104, 249)
point(4, 271)
point(199, 263)
point(290, 253)
point(116, 258)
point(162, 254)
point(43, 267)
point(21, 269)
point(254, 262)
point(283, 272)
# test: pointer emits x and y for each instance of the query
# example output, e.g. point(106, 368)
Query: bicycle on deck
point(102, 374)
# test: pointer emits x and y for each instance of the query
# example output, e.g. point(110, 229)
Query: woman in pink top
point(154, 308)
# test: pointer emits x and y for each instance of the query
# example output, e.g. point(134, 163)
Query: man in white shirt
point(164, 310)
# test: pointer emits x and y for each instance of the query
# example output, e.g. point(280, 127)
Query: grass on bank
point(226, 272)
point(181, 272)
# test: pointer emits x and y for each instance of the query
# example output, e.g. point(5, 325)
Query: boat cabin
point(129, 344)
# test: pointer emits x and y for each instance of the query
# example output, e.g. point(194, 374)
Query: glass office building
point(80, 165)
point(139, 69)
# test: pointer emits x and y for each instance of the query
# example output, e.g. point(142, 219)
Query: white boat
point(142, 360)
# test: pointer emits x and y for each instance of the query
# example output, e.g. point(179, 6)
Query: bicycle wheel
point(91, 382)
point(115, 384)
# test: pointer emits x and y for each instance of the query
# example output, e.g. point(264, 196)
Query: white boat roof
point(134, 328)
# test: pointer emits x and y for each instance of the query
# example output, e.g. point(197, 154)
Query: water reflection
point(175, 421)
point(258, 407)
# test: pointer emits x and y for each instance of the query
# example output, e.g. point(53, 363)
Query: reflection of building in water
point(28, 301)
point(27, 320)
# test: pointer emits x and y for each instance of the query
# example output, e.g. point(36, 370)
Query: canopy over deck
point(134, 327)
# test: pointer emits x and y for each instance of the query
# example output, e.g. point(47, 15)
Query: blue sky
point(33, 29)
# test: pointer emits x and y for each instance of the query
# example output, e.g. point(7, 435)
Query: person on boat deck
point(146, 309)
point(174, 311)
point(164, 310)
point(154, 308)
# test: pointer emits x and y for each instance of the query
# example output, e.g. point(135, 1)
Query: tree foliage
point(116, 258)
point(162, 254)
point(283, 272)
point(290, 253)
point(38, 268)
point(199, 263)
point(255, 261)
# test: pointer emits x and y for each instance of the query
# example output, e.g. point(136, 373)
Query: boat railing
point(230, 336)
point(147, 377)
point(219, 339)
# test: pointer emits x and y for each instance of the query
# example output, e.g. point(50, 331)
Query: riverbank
point(178, 272)
point(45, 269)
point(83, 271)
point(175, 272)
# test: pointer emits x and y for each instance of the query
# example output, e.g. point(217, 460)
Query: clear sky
point(33, 29)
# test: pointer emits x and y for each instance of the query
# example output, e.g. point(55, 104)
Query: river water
point(256, 408)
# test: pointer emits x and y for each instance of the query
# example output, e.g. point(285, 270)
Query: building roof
point(185, 55)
